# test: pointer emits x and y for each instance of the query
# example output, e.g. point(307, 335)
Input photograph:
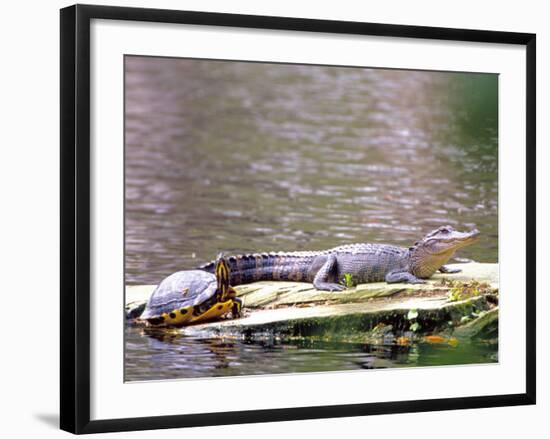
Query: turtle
point(192, 296)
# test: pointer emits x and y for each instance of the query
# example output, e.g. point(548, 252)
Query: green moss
point(465, 290)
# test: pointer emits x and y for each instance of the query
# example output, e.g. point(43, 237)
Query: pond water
point(170, 355)
point(250, 157)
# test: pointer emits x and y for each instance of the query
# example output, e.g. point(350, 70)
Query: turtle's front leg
point(445, 269)
point(237, 307)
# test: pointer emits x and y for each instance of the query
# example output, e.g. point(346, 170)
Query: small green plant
point(454, 294)
point(347, 279)
point(415, 327)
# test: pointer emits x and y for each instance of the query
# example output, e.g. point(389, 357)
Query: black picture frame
point(75, 217)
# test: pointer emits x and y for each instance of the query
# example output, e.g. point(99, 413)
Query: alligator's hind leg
point(403, 276)
point(325, 273)
point(445, 269)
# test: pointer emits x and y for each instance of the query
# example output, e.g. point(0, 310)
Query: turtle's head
point(222, 276)
point(437, 247)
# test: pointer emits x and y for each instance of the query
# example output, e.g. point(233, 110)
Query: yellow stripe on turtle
point(215, 311)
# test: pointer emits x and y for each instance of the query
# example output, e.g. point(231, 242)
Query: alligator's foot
point(328, 286)
point(403, 276)
point(417, 281)
point(445, 269)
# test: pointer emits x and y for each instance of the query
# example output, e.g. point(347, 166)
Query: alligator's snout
point(458, 241)
point(446, 239)
point(471, 236)
point(462, 239)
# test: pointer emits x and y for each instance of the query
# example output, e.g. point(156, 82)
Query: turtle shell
point(178, 292)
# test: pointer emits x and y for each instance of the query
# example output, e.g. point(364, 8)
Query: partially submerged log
point(464, 304)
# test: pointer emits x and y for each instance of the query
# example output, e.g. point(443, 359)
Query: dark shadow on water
point(50, 419)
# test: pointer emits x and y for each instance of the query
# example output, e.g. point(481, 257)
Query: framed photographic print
point(274, 218)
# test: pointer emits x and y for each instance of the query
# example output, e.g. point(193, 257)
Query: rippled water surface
point(245, 157)
point(171, 355)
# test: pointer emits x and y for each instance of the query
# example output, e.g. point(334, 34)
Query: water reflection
point(164, 355)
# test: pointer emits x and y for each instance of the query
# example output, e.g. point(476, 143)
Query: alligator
point(360, 263)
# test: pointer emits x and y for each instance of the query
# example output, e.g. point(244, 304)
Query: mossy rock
point(298, 309)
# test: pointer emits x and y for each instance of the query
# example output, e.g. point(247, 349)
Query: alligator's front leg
point(403, 276)
point(445, 269)
point(321, 278)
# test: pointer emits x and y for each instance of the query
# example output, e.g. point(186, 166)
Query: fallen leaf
point(434, 339)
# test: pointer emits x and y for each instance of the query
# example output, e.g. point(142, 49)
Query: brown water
point(245, 157)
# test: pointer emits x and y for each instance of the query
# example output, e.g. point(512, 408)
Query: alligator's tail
point(244, 269)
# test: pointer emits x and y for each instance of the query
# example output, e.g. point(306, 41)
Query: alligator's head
point(437, 247)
